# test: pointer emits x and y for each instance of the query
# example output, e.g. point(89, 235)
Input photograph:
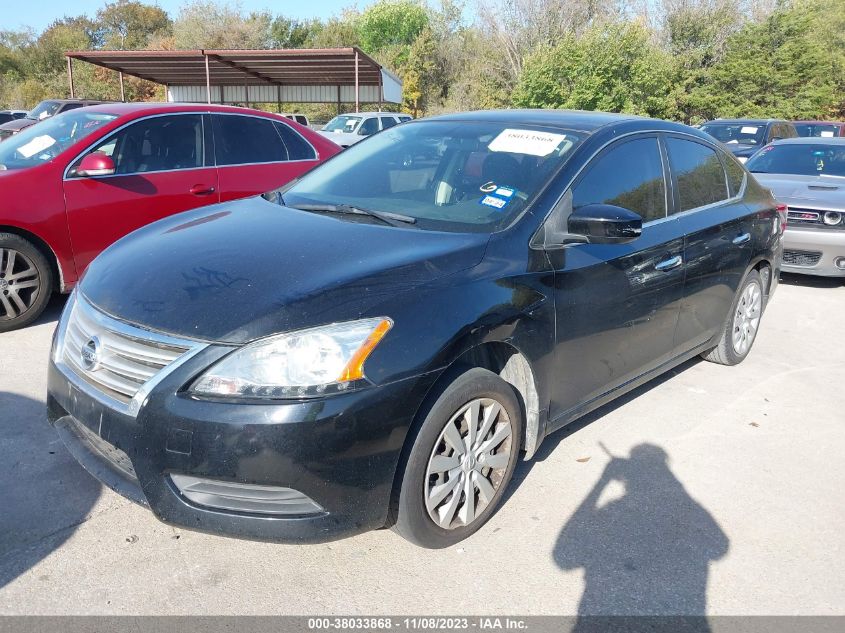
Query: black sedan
point(380, 342)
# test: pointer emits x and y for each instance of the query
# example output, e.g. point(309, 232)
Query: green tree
point(129, 25)
point(614, 68)
point(207, 24)
point(391, 23)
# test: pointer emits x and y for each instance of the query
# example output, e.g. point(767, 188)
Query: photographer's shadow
point(644, 544)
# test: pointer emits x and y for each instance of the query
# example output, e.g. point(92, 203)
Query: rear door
point(617, 304)
point(718, 231)
point(161, 169)
point(258, 154)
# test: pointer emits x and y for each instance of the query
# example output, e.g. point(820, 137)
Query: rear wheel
point(742, 323)
point(461, 461)
point(26, 282)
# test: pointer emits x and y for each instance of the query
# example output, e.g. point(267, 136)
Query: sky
point(39, 14)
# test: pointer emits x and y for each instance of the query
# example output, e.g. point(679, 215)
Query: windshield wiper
point(393, 219)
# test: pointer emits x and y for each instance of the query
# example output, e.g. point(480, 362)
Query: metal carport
point(326, 75)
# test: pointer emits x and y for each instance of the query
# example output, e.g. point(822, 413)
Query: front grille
point(801, 258)
point(120, 358)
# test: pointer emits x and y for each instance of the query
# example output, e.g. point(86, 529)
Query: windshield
point(43, 110)
point(804, 159)
point(823, 130)
point(43, 142)
point(342, 123)
point(736, 133)
point(451, 176)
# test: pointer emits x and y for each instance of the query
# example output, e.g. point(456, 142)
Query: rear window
point(805, 159)
point(737, 133)
point(241, 140)
point(820, 130)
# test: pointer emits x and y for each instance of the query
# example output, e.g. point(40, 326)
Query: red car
point(74, 183)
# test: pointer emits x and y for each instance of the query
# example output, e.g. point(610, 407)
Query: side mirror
point(96, 164)
point(606, 224)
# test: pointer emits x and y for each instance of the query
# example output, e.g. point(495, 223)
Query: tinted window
point(808, 159)
point(817, 129)
point(297, 147)
point(737, 133)
point(156, 144)
point(369, 126)
point(240, 140)
point(387, 121)
point(736, 174)
point(5, 117)
point(699, 173)
point(70, 106)
point(630, 176)
point(301, 119)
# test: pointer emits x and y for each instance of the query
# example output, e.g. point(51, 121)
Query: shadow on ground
point(45, 494)
point(811, 281)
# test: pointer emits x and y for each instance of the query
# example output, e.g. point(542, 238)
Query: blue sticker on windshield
point(494, 201)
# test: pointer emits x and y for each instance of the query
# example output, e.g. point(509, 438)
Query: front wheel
point(742, 323)
point(461, 461)
point(26, 282)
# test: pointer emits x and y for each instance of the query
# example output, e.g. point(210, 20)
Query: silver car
point(808, 175)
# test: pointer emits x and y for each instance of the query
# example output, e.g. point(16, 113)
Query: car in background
point(348, 129)
point(380, 343)
point(743, 137)
point(11, 115)
point(299, 118)
point(808, 175)
point(44, 110)
point(820, 129)
point(80, 180)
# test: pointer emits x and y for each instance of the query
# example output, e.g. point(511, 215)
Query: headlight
point(311, 362)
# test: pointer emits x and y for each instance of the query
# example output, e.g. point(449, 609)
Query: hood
point(242, 270)
point(825, 193)
point(17, 124)
point(740, 149)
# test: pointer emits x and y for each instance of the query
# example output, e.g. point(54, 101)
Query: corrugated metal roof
point(301, 67)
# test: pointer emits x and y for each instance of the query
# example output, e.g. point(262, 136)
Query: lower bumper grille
point(801, 258)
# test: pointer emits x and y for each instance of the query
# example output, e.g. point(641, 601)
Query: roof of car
point(122, 109)
point(821, 122)
point(572, 119)
point(759, 121)
point(811, 140)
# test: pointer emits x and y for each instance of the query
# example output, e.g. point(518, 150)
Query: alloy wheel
point(747, 317)
point(19, 283)
point(468, 463)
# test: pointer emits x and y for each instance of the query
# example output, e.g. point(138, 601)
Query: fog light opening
point(839, 262)
point(248, 498)
point(832, 218)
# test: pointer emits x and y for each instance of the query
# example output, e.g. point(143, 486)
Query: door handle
point(201, 190)
point(669, 264)
point(742, 239)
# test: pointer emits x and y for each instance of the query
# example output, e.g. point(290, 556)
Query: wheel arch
point(45, 250)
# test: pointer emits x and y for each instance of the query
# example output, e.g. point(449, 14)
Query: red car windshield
point(44, 141)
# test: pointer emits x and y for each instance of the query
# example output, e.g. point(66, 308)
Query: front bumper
point(814, 251)
point(341, 452)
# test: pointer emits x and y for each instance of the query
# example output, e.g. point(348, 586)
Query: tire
point(742, 323)
point(26, 282)
point(435, 472)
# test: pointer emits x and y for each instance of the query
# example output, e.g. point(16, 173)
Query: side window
point(297, 147)
point(241, 140)
point(368, 127)
point(69, 106)
point(164, 143)
point(630, 175)
point(698, 172)
point(387, 121)
point(301, 120)
point(736, 174)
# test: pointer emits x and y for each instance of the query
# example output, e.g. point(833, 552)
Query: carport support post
point(70, 76)
point(338, 99)
point(278, 98)
point(380, 89)
point(357, 103)
point(122, 87)
point(207, 81)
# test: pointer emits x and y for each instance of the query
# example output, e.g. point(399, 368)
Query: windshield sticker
point(505, 192)
point(826, 134)
point(526, 142)
point(493, 201)
point(749, 129)
point(488, 187)
point(38, 144)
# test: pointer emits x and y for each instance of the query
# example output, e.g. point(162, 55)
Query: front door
point(160, 169)
point(617, 304)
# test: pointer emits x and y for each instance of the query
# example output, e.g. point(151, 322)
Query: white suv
point(348, 129)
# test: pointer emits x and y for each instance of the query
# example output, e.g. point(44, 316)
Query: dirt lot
point(726, 498)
